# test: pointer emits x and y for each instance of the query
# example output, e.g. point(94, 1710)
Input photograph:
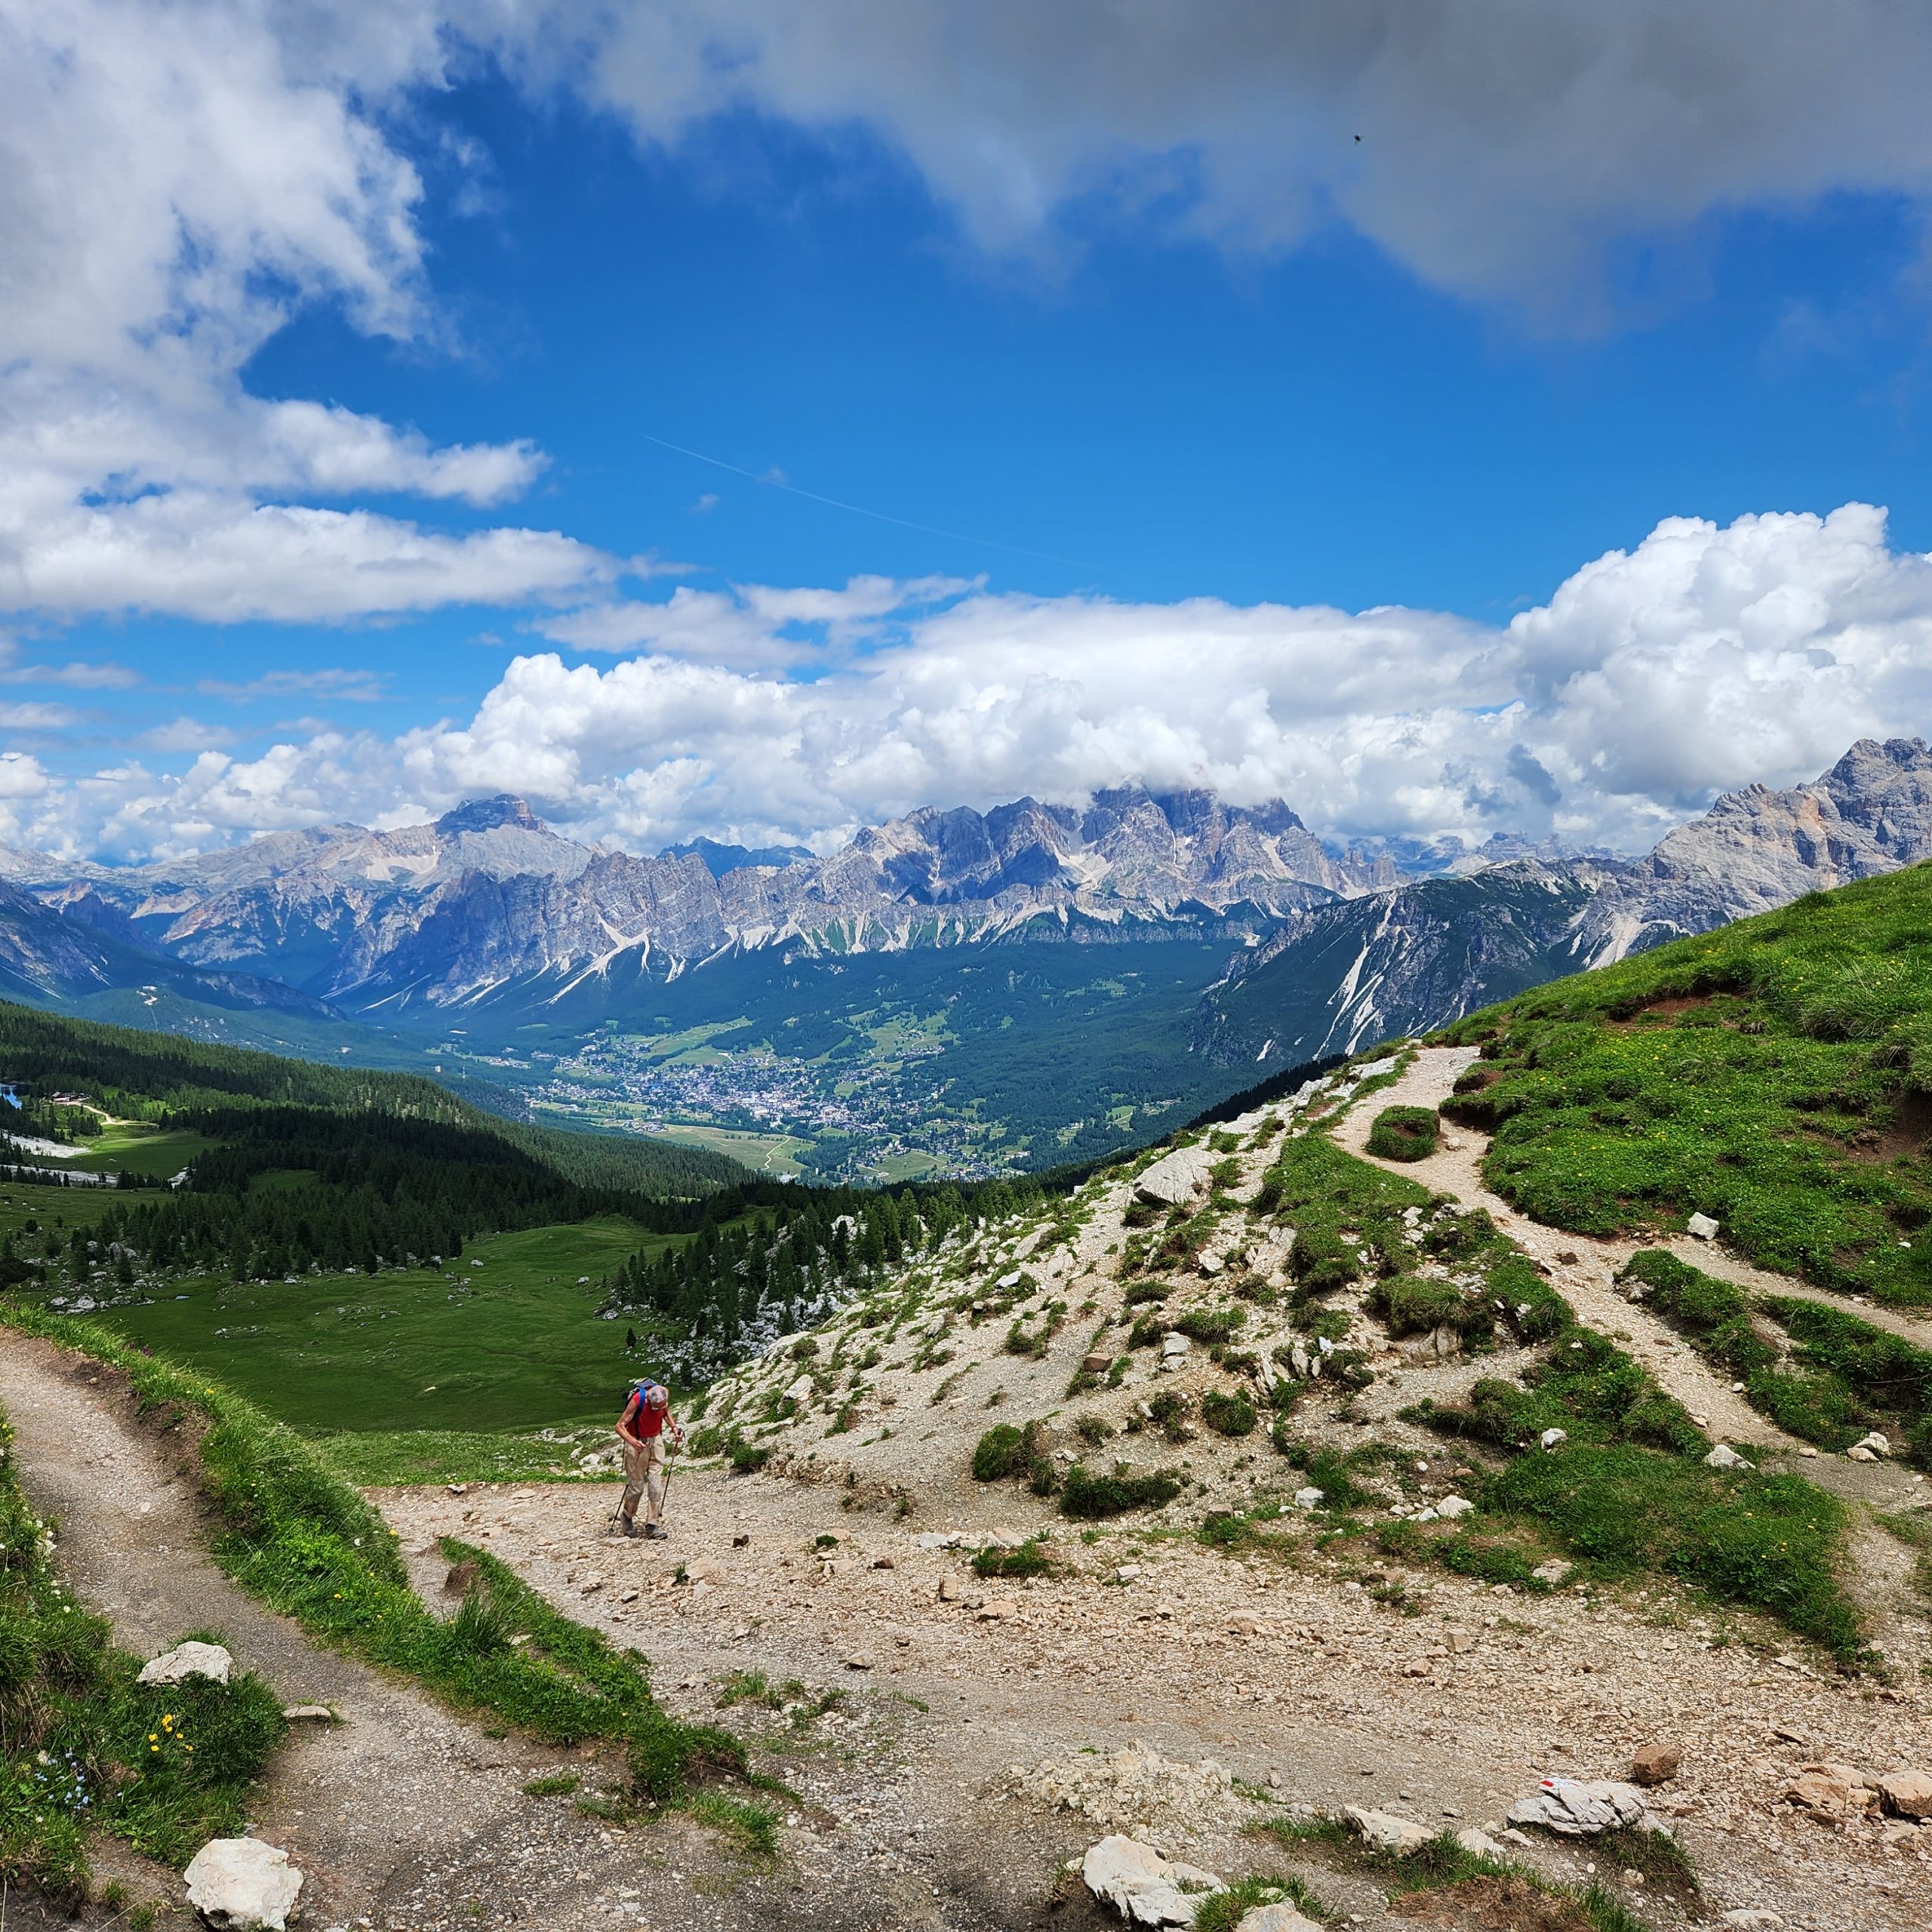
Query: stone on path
point(1282, 1918)
point(1702, 1227)
point(243, 1885)
point(187, 1660)
point(1450, 1507)
point(1573, 1809)
point(1141, 1885)
point(1383, 1831)
point(1723, 1456)
point(307, 1714)
point(1655, 1764)
point(1877, 1443)
point(1554, 1571)
point(1750, 1918)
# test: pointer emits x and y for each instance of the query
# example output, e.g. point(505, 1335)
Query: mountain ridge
point(1425, 953)
point(450, 912)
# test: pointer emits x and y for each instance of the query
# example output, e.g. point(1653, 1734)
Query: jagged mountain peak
point(490, 814)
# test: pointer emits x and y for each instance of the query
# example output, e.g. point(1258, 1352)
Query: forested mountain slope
point(153, 1077)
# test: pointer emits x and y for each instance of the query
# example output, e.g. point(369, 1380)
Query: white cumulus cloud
point(1706, 658)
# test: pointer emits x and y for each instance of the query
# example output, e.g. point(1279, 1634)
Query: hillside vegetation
point(1776, 1075)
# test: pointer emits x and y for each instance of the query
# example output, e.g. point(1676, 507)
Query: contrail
point(859, 510)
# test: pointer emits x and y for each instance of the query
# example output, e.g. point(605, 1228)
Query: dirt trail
point(1585, 1278)
point(401, 1815)
point(1342, 1698)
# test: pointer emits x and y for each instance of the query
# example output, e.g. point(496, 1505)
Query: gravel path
point(401, 1815)
point(1317, 1693)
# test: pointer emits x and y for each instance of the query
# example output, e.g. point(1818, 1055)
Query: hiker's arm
point(624, 1431)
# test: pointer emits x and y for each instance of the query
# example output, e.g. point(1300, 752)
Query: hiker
point(641, 1429)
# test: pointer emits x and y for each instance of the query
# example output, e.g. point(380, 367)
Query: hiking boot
point(657, 1532)
point(623, 1527)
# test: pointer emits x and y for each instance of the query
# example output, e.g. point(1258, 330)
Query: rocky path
point(400, 1816)
point(1583, 1268)
point(1294, 1677)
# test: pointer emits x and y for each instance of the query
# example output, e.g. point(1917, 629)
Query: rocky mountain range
point(486, 936)
point(1341, 975)
point(487, 900)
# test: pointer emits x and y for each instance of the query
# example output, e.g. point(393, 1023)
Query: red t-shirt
point(644, 1420)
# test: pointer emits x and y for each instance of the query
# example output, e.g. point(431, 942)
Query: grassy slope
point(1775, 1074)
point(517, 1345)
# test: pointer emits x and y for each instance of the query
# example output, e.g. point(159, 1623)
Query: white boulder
point(1175, 1178)
point(1450, 1507)
point(1145, 1888)
point(1723, 1456)
point(243, 1885)
point(1703, 1227)
point(1550, 1438)
point(1573, 1809)
point(1282, 1918)
point(1384, 1831)
point(1309, 1499)
point(186, 1660)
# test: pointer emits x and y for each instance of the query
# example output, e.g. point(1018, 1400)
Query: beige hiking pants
point(644, 1476)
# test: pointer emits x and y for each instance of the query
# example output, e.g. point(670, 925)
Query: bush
point(1227, 1415)
point(1413, 1306)
point(1087, 1498)
point(1211, 1324)
point(1029, 1560)
point(1094, 1429)
point(1000, 1452)
point(1405, 1134)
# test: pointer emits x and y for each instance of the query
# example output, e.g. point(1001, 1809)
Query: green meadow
point(508, 1339)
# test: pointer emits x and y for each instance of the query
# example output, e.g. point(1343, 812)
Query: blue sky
point(1177, 361)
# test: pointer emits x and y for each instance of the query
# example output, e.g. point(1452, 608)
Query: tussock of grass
point(1405, 1134)
point(1222, 1911)
point(1029, 1560)
point(1226, 1414)
point(1088, 1497)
